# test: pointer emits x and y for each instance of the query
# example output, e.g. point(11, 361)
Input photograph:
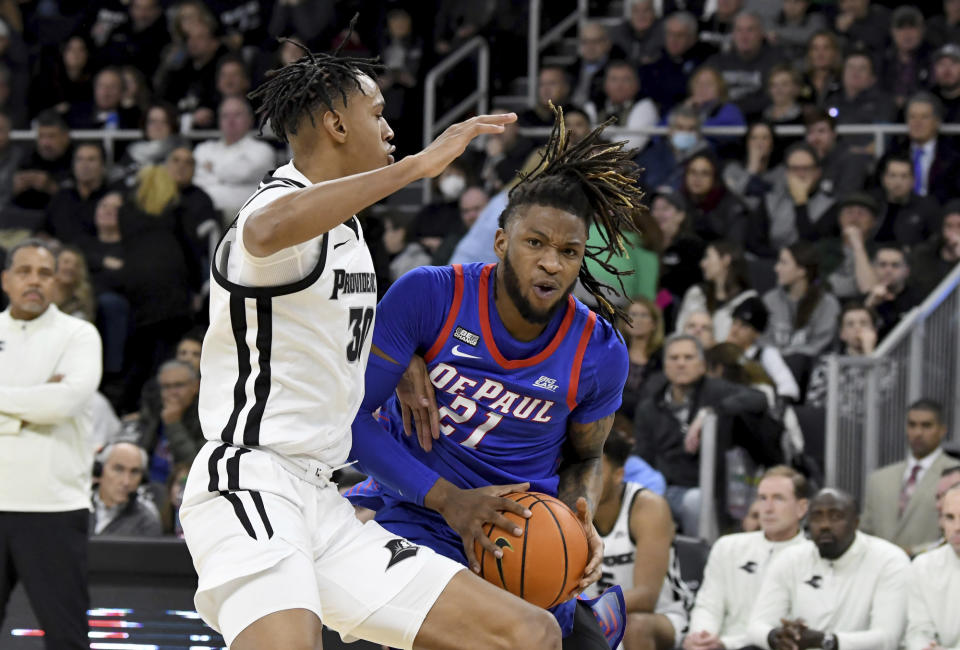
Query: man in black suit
point(936, 163)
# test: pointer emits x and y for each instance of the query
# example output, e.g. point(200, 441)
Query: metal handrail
point(537, 43)
point(920, 312)
point(431, 124)
point(708, 526)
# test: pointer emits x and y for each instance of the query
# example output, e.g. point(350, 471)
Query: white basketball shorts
point(264, 540)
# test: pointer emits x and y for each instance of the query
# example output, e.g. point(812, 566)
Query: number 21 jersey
point(284, 358)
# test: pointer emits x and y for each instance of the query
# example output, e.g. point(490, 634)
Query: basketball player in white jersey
point(637, 530)
point(277, 549)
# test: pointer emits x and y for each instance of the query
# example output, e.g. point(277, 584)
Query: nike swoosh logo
point(336, 246)
point(457, 353)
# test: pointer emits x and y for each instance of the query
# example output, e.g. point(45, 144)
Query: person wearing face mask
point(663, 161)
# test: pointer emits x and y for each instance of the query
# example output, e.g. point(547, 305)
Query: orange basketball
point(544, 564)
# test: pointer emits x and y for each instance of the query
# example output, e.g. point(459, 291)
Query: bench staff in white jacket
point(844, 589)
point(50, 366)
point(932, 620)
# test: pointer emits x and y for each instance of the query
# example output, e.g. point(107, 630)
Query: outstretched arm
point(308, 213)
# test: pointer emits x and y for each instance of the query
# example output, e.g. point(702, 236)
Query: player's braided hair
point(596, 181)
point(313, 80)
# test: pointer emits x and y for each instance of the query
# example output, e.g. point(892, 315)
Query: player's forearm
point(640, 600)
point(580, 479)
point(303, 215)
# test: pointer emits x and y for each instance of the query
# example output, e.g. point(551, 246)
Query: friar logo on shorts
point(400, 550)
point(750, 567)
point(814, 582)
point(466, 336)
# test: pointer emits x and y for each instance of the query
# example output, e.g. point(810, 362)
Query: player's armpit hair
point(313, 81)
point(597, 181)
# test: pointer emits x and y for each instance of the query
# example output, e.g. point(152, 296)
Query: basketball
point(545, 563)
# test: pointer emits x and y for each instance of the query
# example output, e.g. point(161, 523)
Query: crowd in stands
point(759, 255)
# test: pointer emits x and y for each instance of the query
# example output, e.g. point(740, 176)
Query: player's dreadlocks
point(595, 180)
point(312, 81)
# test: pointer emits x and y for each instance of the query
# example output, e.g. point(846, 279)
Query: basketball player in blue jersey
point(292, 299)
point(527, 378)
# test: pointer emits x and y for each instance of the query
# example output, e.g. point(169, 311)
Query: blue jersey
point(505, 405)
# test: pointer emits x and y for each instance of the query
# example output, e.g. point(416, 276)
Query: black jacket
point(138, 517)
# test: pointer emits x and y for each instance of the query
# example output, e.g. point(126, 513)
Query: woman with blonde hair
point(643, 334)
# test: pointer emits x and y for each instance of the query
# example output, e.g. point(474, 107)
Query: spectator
point(140, 40)
point(822, 67)
point(136, 91)
point(644, 337)
point(173, 434)
point(664, 160)
point(749, 323)
point(402, 51)
point(783, 88)
point(716, 27)
point(48, 373)
point(760, 168)
point(471, 203)
point(708, 95)
point(899, 504)
point(9, 160)
point(905, 218)
point(106, 110)
point(945, 28)
point(638, 533)
point(793, 27)
point(191, 86)
point(931, 622)
point(233, 79)
point(849, 257)
point(751, 521)
point(118, 507)
point(865, 25)
point(668, 422)
point(41, 173)
point(307, 22)
point(72, 293)
point(746, 67)
point(699, 325)
point(682, 249)
point(67, 81)
point(948, 478)
point(843, 171)
point(946, 78)
point(639, 37)
point(807, 591)
point(197, 215)
point(933, 260)
point(639, 262)
point(70, 213)
point(892, 297)
point(457, 23)
point(553, 85)
point(858, 338)
point(936, 163)
point(170, 509)
point(15, 60)
point(594, 50)
point(160, 128)
point(230, 168)
point(726, 284)
point(798, 207)
point(665, 80)
point(737, 563)
point(506, 153)
point(715, 212)
point(803, 317)
point(906, 64)
point(621, 86)
point(860, 99)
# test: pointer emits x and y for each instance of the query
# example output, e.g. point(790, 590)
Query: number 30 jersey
point(284, 357)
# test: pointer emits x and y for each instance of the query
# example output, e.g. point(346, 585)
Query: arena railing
point(708, 525)
point(868, 397)
point(432, 125)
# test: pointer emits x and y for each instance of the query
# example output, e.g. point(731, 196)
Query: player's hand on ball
point(466, 511)
point(450, 144)
point(418, 403)
point(592, 572)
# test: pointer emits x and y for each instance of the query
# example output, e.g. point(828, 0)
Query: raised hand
point(450, 144)
point(418, 405)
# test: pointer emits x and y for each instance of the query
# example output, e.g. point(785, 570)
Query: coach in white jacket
point(738, 562)
point(50, 366)
point(844, 589)
point(932, 618)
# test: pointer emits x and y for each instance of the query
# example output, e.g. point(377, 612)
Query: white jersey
point(731, 580)
point(619, 555)
point(931, 614)
point(284, 358)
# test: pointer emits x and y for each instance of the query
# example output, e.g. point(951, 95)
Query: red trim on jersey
point(488, 333)
point(578, 361)
point(451, 316)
